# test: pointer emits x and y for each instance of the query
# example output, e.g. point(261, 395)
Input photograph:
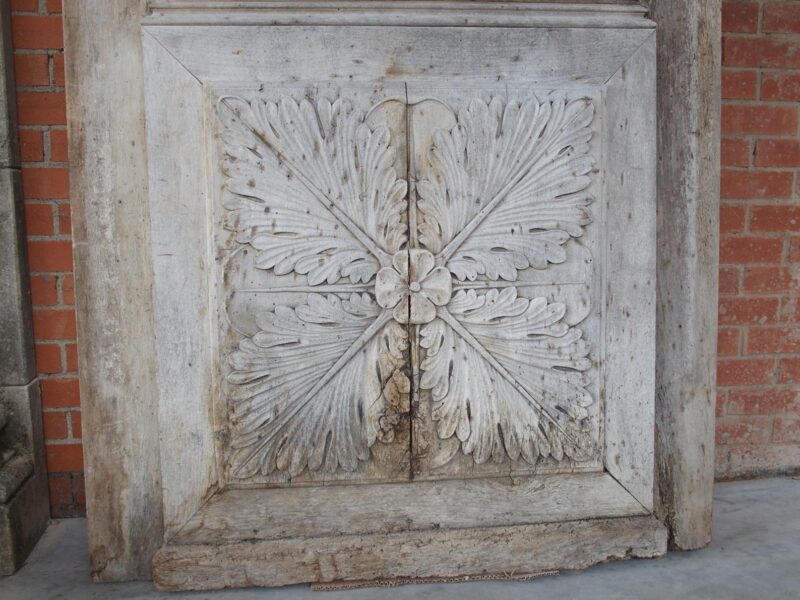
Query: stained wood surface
point(339, 510)
point(441, 553)
point(630, 280)
point(113, 284)
point(183, 314)
point(688, 236)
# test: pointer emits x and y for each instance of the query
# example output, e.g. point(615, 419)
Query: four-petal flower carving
point(413, 286)
point(314, 189)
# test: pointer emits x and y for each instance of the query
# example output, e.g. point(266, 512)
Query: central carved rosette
point(413, 286)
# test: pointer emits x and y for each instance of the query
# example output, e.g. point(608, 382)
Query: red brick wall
point(758, 426)
point(758, 409)
point(39, 65)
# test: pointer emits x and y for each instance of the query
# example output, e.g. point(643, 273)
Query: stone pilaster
point(24, 507)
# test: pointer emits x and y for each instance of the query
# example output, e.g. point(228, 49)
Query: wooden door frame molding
point(688, 66)
point(117, 318)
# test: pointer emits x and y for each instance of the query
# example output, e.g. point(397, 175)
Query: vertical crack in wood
point(413, 347)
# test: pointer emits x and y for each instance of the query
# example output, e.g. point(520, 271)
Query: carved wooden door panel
point(333, 281)
point(504, 181)
point(397, 270)
point(314, 221)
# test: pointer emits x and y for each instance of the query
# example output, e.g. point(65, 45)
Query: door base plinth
point(411, 554)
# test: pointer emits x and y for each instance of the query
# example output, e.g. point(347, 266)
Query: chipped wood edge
point(336, 586)
point(436, 553)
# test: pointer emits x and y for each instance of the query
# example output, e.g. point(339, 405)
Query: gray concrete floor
point(755, 554)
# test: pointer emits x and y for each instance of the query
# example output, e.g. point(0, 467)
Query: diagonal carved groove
point(518, 387)
point(454, 244)
point(315, 289)
point(462, 331)
point(297, 406)
point(532, 144)
point(365, 240)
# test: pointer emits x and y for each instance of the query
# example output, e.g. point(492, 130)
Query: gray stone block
point(24, 517)
point(17, 366)
point(24, 506)
point(9, 143)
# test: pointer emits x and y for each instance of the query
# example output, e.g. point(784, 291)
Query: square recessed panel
point(332, 283)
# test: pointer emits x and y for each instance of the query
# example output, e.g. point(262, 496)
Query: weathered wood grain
point(524, 394)
point(311, 213)
point(688, 235)
point(310, 532)
point(441, 553)
point(435, 13)
point(183, 313)
point(546, 58)
point(113, 282)
point(629, 196)
point(234, 515)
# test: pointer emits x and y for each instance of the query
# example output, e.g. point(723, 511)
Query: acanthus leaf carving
point(316, 386)
point(314, 189)
point(506, 376)
point(507, 188)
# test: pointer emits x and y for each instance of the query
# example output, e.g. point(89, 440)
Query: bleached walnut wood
point(278, 160)
point(113, 283)
point(340, 510)
point(336, 205)
point(501, 187)
point(572, 13)
point(312, 188)
point(414, 287)
point(336, 407)
point(178, 216)
point(444, 553)
point(630, 288)
point(688, 201)
point(294, 172)
point(545, 59)
point(314, 185)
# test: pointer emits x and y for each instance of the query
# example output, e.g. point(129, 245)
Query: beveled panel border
point(182, 70)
